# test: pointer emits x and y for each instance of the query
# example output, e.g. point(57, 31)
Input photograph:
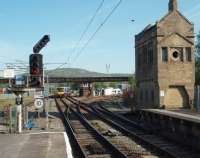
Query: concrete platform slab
point(33, 145)
point(177, 126)
point(51, 124)
point(177, 114)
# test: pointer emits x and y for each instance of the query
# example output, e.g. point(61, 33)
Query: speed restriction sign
point(39, 103)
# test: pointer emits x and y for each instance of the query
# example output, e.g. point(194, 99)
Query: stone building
point(165, 64)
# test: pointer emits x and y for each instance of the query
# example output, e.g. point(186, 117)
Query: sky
point(24, 22)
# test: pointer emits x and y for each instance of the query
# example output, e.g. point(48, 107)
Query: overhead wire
point(87, 27)
point(83, 34)
point(98, 29)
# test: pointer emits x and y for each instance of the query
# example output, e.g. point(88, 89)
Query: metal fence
point(8, 119)
point(12, 96)
point(7, 96)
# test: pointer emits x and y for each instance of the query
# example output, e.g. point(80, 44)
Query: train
point(62, 91)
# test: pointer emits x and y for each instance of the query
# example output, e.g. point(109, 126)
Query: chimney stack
point(173, 5)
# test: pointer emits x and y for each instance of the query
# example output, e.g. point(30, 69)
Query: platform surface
point(180, 114)
point(33, 145)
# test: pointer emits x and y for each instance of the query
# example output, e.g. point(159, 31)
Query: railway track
point(138, 134)
point(87, 141)
point(130, 148)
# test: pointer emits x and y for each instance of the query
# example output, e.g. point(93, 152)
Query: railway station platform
point(34, 145)
point(186, 115)
point(179, 125)
point(47, 139)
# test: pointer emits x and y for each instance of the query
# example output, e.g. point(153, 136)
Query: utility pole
point(19, 102)
point(107, 68)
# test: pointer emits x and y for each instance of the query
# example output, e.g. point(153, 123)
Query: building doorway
point(176, 97)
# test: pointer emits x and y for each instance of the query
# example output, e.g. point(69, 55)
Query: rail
point(73, 141)
point(98, 136)
point(164, 147)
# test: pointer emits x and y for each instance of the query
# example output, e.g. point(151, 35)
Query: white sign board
point(162, 93)
point(9, 73)
point(20, 80)
point(39, 95)
point(39, 103)
point(19, 108)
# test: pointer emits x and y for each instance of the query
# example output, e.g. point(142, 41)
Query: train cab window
point(164, 54)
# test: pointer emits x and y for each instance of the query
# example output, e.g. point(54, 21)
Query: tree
point(129, 94)
point(198, 47)
point(74, 86)
point(113, 84)
point(197, 61)
point(99, 85)
point(132, 82)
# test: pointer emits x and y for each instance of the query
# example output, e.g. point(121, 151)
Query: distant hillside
point(75, 72)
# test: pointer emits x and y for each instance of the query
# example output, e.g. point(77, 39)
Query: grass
point(11, 101)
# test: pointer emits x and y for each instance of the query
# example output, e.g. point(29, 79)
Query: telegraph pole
point(107, 68)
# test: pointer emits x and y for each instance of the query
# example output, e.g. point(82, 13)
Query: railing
point(8, 119)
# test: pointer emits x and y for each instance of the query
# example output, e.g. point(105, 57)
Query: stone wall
point(155, 75)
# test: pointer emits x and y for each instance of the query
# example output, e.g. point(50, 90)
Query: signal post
point(36, 64)
point(35, 80)
point(37, 72)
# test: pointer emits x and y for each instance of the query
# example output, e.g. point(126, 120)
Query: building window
point(141, 96)
point(146, 96)
point(138, 59)
point(145, 55)
point(181, 56)
point(152, 96)
point(150, 54)
point(188, 52)
point(175, 54)
point(164, 54)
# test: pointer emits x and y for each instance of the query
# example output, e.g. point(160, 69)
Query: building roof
point(171, 11)
point(179, 36)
